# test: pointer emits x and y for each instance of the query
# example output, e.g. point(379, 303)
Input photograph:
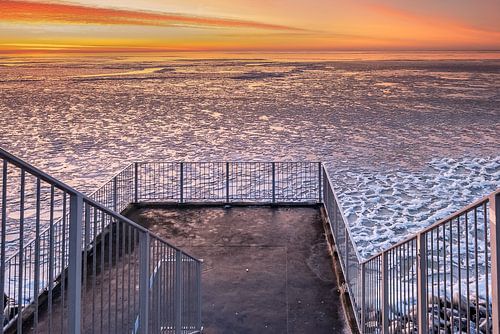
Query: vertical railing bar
point(94, 268)
point(485, 226)
point(346, 252)
point(21, 256)
point(363, 297)
point(178, 292)
point(451, 273)
point(459, 270)
point(101, 271)
point(86, 243)
point(75, 264)
point(110, 268)
point(320, 173)
point(227, 182)
point(2, 244)
point(144, 264)
point(181, 182)
point(494, 215)
point(385, 294)
point(468, 269)
point(117, 267)
point(273, 166)
point(198, 288)
point(63, 245)
point(115, 195)
point(37, 256)
point(136, 182)
point(423, 313)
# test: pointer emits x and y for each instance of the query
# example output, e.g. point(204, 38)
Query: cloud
point(34, 12)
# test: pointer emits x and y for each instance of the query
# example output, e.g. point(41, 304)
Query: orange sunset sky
point(248, 25)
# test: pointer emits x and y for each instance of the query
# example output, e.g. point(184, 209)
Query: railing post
point(2, 240)
point(198, 287)
point(136, 182)
point(274, 181)
point(75, 264)
point(227, 182)
point(495, 260)
point(143, 282)
point(346, 252)
point(182, 182)
point(115, 195)
point(320, 173)
point(385, 293)
point(178, 292)
point(363, 296)
point(422, 283)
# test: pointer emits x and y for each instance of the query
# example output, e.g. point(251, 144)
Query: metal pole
point(136, 182)
point(346, 252)
point(422, 283)
point(495, 261)
point(363, 296)
point(20, 272)
point(75, 264)
point(182, 182)
point(2, 243)
point(143, 282)
point(227, 182)
point(198, 286)
point(385, 294)
point(178, 292)
point(115, 195)
point(274, 181)
point(320, 172)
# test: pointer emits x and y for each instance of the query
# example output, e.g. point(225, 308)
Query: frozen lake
point(407, 142)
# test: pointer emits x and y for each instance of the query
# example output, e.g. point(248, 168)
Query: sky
point(248, 25)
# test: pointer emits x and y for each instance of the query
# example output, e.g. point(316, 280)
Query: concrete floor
point(266, 270)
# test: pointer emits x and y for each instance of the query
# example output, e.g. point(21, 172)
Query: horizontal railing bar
point(223, 162)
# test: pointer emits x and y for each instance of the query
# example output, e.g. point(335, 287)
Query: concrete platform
point(266, 269)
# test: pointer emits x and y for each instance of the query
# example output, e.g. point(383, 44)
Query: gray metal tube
point(274, 181)
point(143, 282)
point(422, 283)
point(75, 265)
point(136, 182)
point(178, 292)
point(385, 293)
point(495, 260)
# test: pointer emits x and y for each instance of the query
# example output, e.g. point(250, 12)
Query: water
point(406, 141)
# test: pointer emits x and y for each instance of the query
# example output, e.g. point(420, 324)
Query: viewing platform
point(265, 269)
point(231, 247)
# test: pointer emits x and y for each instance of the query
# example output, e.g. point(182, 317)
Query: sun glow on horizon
point(244, 25)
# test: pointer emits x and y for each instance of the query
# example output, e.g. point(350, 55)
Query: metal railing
point(228, 182)
point(444, 279)
point(86, 268)
point(410, 287)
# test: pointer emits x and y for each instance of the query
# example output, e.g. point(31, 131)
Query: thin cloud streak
point(26, 11)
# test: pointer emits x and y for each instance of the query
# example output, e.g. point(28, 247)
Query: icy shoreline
point(385, 208)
